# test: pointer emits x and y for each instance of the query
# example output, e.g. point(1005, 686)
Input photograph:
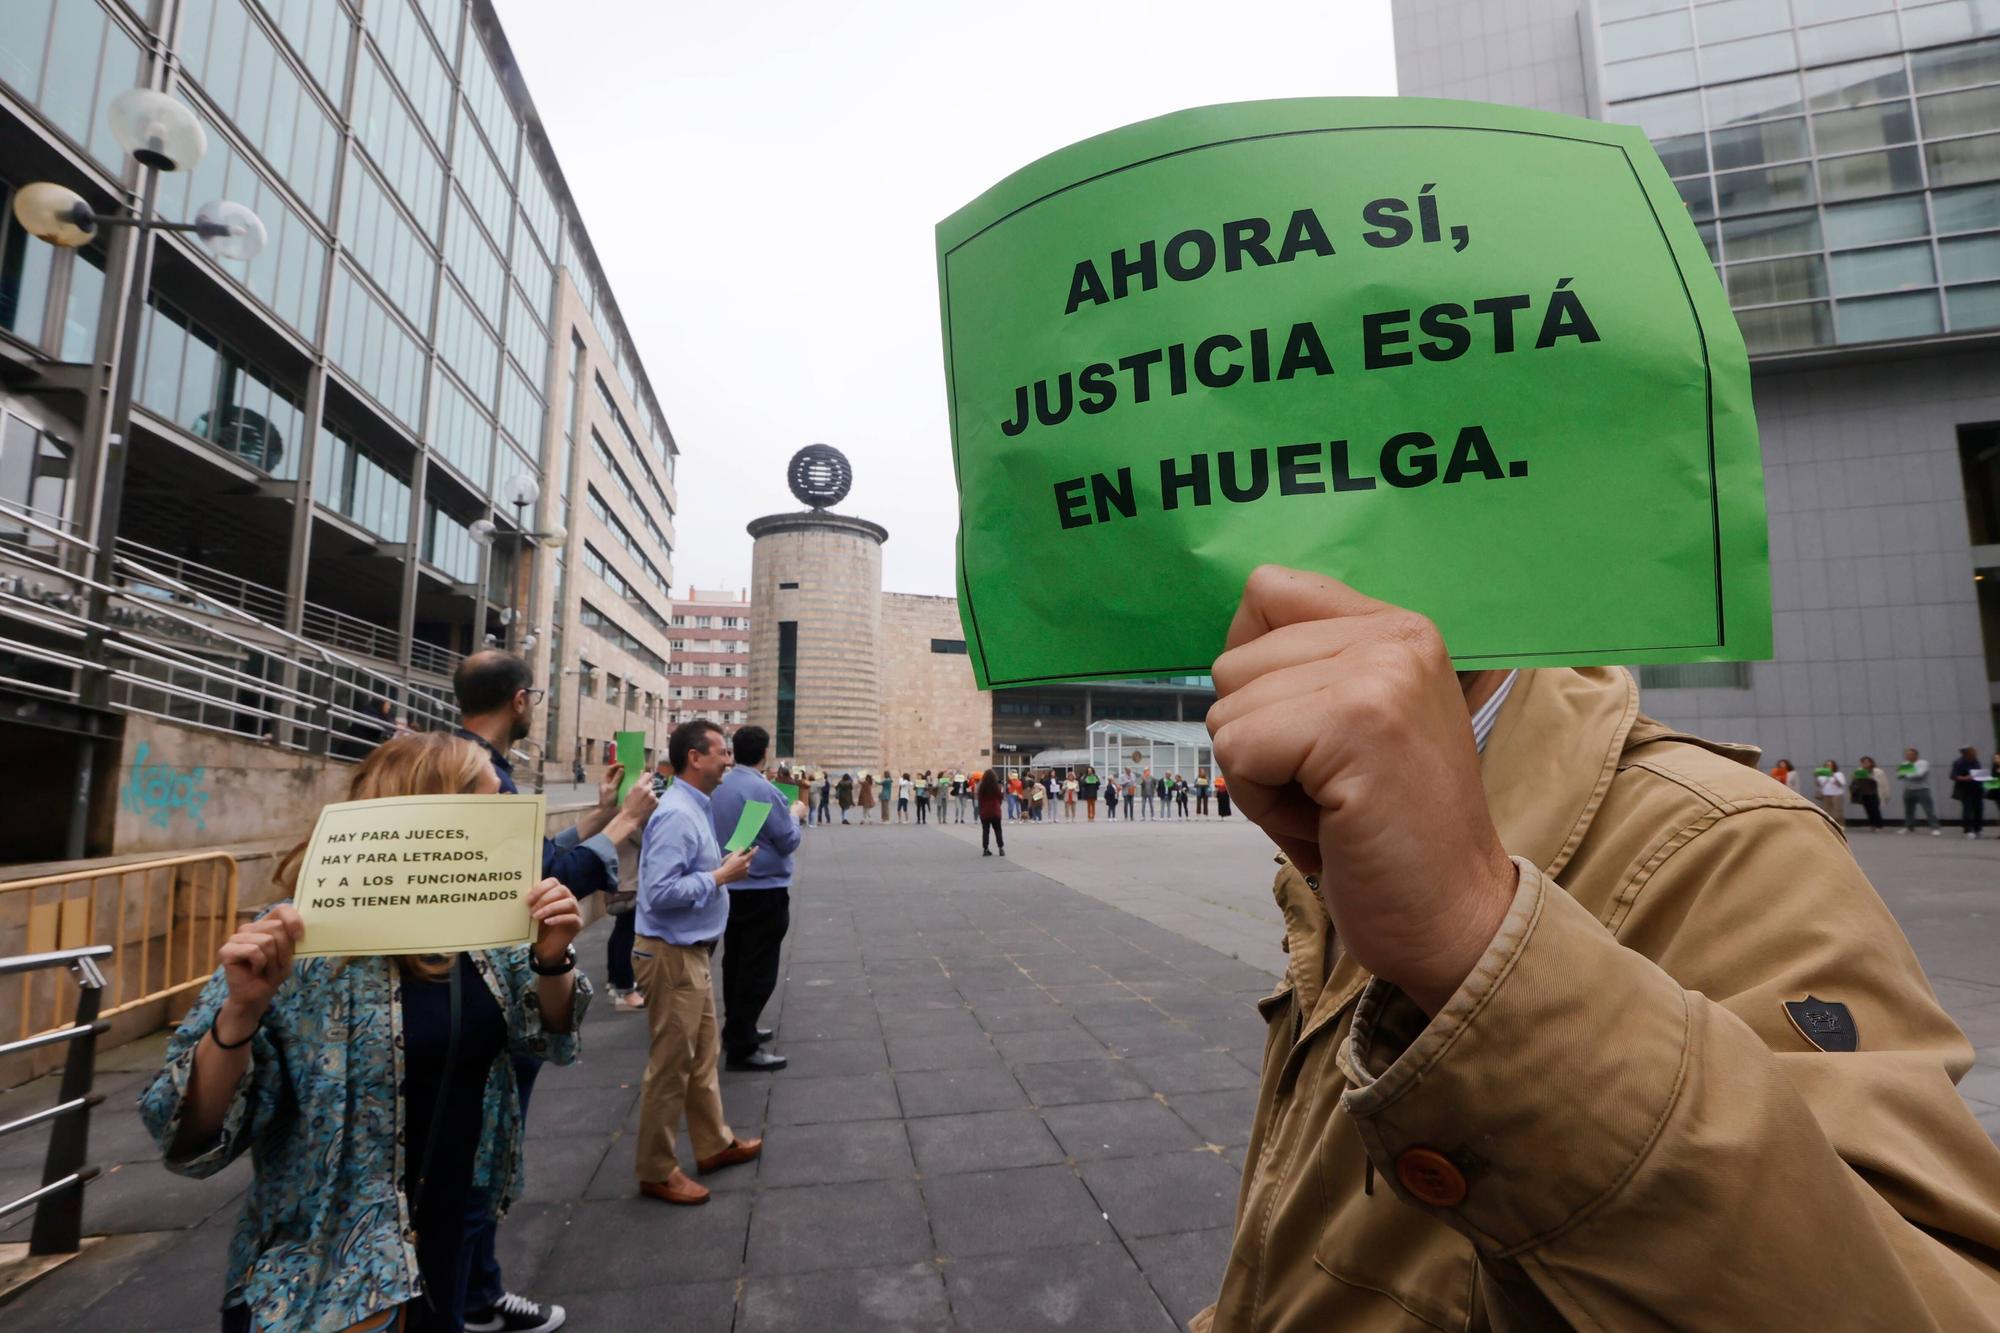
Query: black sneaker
point(515, 1314)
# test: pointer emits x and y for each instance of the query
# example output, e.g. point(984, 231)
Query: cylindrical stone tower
point(816, 624)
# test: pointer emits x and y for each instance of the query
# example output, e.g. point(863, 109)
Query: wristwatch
point(564, 964)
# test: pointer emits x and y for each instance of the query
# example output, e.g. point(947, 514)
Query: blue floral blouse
point(325, 1239)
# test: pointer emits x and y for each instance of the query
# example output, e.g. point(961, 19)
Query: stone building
point(932, 713)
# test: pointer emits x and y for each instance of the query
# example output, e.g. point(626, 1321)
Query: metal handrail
point(58, 1203)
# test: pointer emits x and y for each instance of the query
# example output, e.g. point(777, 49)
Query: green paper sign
point(748, 825)
point(1472, 360)
point(788, 791)
point(631, 746)
point(1906, 770)
point(1822, 772)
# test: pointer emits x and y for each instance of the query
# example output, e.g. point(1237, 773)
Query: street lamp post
point(160, 133)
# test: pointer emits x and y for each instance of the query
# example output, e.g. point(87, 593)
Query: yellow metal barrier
point(164, 918)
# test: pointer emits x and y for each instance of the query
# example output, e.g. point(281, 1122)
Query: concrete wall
point(180, 789)
point(836, 564)
point(1876, 617)
point(1521, 52)
point(932, 712)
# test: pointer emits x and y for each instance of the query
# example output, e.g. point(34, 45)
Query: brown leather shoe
point(676, 1188)
point(743, 1150)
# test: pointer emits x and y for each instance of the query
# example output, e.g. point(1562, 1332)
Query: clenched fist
point(1345, 735)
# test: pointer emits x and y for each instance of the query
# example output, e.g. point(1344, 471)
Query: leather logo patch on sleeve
point(1827, 1024)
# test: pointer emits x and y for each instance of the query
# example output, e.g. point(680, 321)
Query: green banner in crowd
point(1471, 360)
point(788, 791)
point(631, 747)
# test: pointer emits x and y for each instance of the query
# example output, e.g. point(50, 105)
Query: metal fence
point(58, 1203)
point(166, 917)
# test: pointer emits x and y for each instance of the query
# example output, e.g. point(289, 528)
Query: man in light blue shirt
point(760, 907)
point(682, 910)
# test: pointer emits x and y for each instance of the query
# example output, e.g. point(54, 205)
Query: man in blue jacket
point(760, 904)
point(496, 704)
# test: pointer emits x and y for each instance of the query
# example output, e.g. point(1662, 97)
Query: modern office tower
point(1841, 159)
point(412, 425)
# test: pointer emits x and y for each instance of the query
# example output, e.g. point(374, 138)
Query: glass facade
point(1841, 158)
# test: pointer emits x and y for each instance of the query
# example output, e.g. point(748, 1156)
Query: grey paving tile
point(1092, 1287)
point(1222, 1116)
point(982, 1141)
point(809, 1101)
point(556, 1168)
point(1191, 1071)
point(869, 1224)
point(994, 1212)
point(946, 1052)
point(836, 1153)
point(820, 1059)
point(951, 1091)
point(953, 1020)
point(1152, 1196)
point(668, 1308)
point(1042, 1047)
point(820, 1023)
point(1064, 1081)
point(1159, 1036)
point(1185, 1269)
point(1037, 1014)
point(1093, 1130)
point(905, 1299)
point(621, 1242)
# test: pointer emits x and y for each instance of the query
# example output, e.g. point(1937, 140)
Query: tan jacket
point(1644, 1137)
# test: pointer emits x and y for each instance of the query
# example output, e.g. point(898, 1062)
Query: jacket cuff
point(1543, 1081)
point(607, 852)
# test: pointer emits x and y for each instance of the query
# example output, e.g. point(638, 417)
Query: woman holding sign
point(372, 1094)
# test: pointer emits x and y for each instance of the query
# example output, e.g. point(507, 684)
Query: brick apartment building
point(708, 674)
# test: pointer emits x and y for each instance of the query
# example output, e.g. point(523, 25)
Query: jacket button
point(1431, 1177)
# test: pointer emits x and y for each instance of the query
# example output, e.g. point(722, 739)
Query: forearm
point(592, 822)
point(557, 999)
point(217, 1074)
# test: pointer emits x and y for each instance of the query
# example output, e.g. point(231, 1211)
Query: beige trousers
point(681, 1062)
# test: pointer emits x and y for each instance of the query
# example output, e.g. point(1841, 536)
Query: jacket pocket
point(1377, 1243)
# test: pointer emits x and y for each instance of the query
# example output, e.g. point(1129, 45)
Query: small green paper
point(789, 792)
point(747, 827)
point(1822, 772)
point(631, 753)
point(1906, 770)
point(1991, 784)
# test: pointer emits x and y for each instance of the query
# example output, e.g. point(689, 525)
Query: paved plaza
point(1018, 1100)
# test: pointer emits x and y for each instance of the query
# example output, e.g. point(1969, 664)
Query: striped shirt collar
point(1489, 712)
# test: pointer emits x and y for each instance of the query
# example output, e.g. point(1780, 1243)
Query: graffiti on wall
point(159, 791)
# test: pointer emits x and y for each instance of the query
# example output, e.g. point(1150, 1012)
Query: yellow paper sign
point(420, 874)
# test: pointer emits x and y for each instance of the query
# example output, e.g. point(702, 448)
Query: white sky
point(761, 182)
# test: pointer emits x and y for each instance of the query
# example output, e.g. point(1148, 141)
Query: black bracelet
point(220, 1044)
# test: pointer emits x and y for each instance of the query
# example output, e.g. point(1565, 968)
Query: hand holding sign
point(255, 961)
point(1337, 715)
point(734, 867)
point(557, 918)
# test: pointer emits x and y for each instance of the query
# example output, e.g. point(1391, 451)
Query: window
point(948, 646)
point(1970, 258)
point(1786, 328)
point(378, 355)
point(1654, 74)
point(1776, 280)
point(394, 142)
point(189, 377)
point(461, 433)
point(448, 544)
point(1758, 99)
point(595, 562)
point(465, 344)
point(602, 512)
point(1728, 20)
point(788, 685)
point(387, 247)
point(317, 30)
point(1876, 220)
point(34, 476)
point(1886, 268)
point(1852, 85)
point(238, 66)
point(783, 586)
point(1864, 127)
point(1879, 318)
point(1869, 173)
point(1967, 210)
point(1729, 61)
point(406, 49)
point(521, 408)
point(1649, 36)
point(472, 257)
point(1764, 188)
point(1771, 234)
point(614, 633)
point(1844, 41)
point(1957, 161)
point(89, 61)
point(351, 479)
point(484, 182)
point(1754, 145)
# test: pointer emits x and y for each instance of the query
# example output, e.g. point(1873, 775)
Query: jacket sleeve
point(781, 833)
point(584, 867)
point(258, 1099)
point(1628, 1115)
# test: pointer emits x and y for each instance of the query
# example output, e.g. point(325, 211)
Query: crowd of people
point(1026, 795)
point(383, 1100)
point(1868, 785)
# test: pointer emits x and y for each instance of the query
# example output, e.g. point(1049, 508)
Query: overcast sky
point(762, 181)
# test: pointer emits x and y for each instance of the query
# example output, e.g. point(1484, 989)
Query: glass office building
point(321, 436)
point(1841, 160)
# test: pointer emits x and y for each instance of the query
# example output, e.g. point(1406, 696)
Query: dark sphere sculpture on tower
point(820, 476)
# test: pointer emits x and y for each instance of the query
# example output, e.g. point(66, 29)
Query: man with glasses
point(497, 697)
